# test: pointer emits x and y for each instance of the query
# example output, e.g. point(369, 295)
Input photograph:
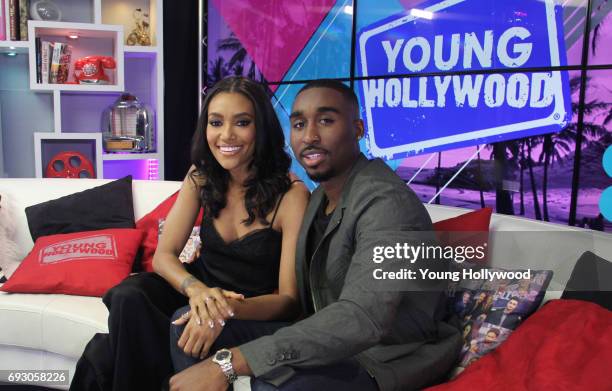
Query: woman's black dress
point(135, 354)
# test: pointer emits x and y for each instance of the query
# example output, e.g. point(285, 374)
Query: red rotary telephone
point(90, 69)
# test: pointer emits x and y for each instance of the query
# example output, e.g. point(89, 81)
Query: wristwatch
point(223, 357)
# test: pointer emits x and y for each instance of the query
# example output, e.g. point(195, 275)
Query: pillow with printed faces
point(84, 263)
point(492, 304)
point(150, 225)
point(192, 248)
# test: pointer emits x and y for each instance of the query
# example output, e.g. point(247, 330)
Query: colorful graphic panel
point(411, 115)
point(550, 171)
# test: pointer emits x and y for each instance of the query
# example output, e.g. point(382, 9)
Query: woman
point(252, 216)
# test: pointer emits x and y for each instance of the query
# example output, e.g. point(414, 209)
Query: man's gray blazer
point(396, 335)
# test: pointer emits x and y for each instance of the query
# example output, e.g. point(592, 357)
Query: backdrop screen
point(536, 74)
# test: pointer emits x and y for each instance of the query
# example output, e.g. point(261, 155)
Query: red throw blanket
point(566, 345)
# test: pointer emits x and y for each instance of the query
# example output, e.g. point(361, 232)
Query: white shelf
point(19, 47)
point(131, 156)
point(107, 35)
point(77, 87)
point(75, 109)
point(140, 49)
point(15, 44)
point(89, 30)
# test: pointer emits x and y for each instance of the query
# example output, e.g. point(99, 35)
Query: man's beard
point(321, 176)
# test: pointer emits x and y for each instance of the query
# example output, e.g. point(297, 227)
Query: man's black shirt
point(315, 234)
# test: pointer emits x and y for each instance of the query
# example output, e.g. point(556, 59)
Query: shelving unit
point(31, 111)
point(97, 39)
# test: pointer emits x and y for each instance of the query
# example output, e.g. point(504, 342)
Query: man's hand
point(203, 376)
point(197, 339)
point(208, 376)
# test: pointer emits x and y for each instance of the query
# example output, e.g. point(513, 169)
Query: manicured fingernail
point(211, 324)
point(174, 322)
point(221, 322)
point(231, 313)
point(199, 322)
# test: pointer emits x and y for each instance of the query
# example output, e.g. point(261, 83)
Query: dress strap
point(280, 200)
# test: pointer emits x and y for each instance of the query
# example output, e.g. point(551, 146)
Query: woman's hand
point(197, 339)
point(210, 304)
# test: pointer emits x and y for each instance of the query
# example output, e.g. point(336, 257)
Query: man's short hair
point(339, 86)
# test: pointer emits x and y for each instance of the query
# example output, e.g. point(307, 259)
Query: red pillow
point(83, 263)
point(476, 221)
point(150, 225)
point(469, 229)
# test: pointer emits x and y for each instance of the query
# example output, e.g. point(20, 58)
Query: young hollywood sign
point(420, 114)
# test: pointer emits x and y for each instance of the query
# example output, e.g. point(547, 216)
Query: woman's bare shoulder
point(297, 195)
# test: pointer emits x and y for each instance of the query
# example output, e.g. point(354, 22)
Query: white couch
point(44, 331)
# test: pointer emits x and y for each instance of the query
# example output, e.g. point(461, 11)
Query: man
point(461, 307)
point(506, 318)
point(353, 336)
point(489, 343)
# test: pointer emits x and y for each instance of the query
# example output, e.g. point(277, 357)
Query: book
point(38, 60)
point(13, 19)
point(55, 62)
point(45, 54)
point(64, 64)
point(23, 20)
point(2, 22)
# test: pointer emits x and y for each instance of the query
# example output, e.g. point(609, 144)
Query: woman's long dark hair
point(268, 171)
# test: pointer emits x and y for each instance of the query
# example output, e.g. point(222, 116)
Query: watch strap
point(228, 371)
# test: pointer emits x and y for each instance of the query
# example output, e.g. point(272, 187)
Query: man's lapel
point(309, 216)
point(300, 252)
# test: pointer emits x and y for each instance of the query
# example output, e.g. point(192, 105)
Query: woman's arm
point(285, 304)
point(177, 227)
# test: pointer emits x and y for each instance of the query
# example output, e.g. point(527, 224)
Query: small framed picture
point(68, 155)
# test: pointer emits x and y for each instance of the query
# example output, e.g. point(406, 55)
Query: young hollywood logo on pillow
point(92, 247)
point(83, 263)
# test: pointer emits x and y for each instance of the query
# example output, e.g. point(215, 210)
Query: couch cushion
point(481, 305)
point(591, 280)
point(475, 221)
point(150, 225)
point(59, 324)
point(85, 263)
point(522, 243)
point(30, 191)
point(106, 206)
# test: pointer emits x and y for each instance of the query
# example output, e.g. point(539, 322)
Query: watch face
point(222, 355)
